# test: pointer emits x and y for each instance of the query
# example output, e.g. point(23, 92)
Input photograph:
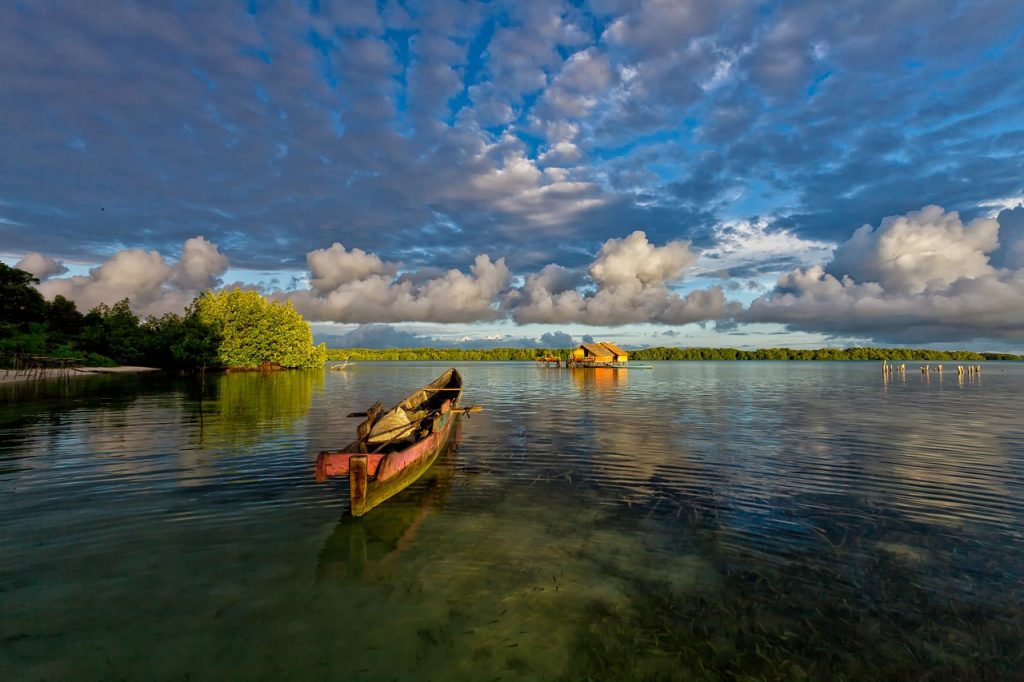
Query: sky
point(436, 172)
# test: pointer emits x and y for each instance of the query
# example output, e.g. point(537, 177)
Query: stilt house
point(598, 353)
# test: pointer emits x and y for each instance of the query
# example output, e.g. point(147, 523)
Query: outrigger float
point(394, 448)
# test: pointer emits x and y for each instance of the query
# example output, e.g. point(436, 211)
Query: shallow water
point(699, 520)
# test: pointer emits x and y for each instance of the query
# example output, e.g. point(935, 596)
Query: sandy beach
point(12, 375)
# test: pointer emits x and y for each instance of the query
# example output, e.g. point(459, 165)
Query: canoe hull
point(395, 474)
point(376, 476)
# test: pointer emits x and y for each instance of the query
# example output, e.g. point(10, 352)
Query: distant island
point(663, 353)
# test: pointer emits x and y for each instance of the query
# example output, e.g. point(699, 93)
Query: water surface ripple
point(704, 520)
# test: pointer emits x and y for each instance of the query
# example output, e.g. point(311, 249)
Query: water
point(698, 521)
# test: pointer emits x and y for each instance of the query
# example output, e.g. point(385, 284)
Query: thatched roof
point(595, 349)
point(613, 348)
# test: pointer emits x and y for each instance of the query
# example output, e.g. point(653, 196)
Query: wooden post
point(357, 466)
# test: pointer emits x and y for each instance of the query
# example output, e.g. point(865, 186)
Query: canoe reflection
point(366, 548)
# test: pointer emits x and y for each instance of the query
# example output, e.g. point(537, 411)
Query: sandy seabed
point(11, 375)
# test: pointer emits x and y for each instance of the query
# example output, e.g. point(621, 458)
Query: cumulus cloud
point(334, 267)
point(354, 286)
point(631, 279)
point(1010, 253)
point(153, 285)
point(921, 277)
point(926, 249)
point(200, 266)
point(43, 267)
point(623, 262)
point(555, 279)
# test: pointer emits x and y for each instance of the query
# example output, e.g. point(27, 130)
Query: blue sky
point(680, 173)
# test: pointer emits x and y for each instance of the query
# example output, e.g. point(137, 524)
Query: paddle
point(473, 409)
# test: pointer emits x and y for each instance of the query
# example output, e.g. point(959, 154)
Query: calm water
point(698, 521)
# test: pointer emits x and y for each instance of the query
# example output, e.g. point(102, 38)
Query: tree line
point(220, 330)
point(664, 353)
point(858, 353)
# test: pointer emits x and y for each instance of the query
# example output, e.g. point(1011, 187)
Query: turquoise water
point(695, 521)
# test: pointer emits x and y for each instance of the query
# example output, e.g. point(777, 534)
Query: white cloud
point(153, 285)
point(623, 261)
point(659, 25)
point(517, 174)
point(353, 286)
point(995, 206)
point(921, 277)
point(333, 267)
point(43, 267)
point(743, 244)
point(200, 265)
point(517, 187)
point(631, 278)
point(561, 154)
point(578, 88)
point(926, 249)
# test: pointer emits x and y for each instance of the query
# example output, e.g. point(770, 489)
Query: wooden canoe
point(367, 548)
point(394, 448)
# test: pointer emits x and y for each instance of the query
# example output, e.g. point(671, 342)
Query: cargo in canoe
point(394, 448)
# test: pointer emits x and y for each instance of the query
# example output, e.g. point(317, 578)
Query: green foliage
point(182, 342)
point(22, 313)
point(21, 304)
point(662, 353)
point(27, 340)
point(114, 332)
point(63, 321)
point(257, 333)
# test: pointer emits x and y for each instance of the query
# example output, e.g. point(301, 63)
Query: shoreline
point(10, 376)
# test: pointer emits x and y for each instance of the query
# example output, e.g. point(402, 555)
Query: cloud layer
point(923, 277)
point(430, 132)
